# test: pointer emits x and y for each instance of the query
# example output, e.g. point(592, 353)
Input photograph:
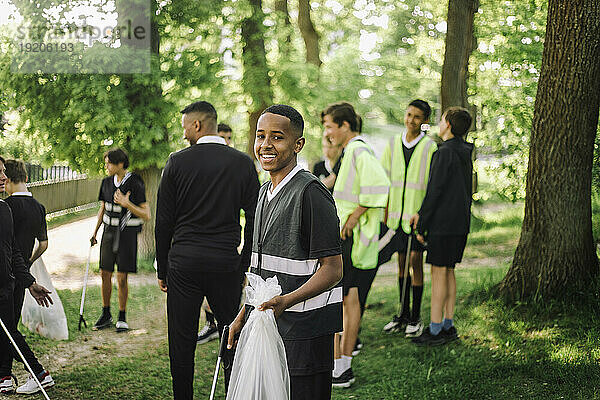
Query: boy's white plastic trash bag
point(49, 322)
point(260, 370)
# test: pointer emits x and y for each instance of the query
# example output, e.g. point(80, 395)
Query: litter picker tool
point(85, 281)
point(24, 360)
point(406, 266)
point(222, 349)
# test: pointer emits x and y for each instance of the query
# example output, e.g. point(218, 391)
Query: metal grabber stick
point(222, 348)
point(406, 267)
point(85, 280)
point(24, 360)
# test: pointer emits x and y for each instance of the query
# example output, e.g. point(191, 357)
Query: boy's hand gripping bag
point(260, 369)
point(49, 322)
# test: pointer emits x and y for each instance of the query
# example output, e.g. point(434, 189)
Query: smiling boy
point(296, 239)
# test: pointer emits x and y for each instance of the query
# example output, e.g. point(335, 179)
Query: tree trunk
point(281, 6)
point(309, 34)
point(151, 178)
point(556, 254)
point(256, 80)
point(459, 44)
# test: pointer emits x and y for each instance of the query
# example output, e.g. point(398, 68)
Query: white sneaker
point(31, 386)
point(414, 329)
point(7, 384)
point(121, 326)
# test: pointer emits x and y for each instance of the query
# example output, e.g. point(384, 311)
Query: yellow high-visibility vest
point(409, 183)
point(362, 181)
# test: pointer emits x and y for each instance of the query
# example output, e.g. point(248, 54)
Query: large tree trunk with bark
point(309, 33)
point(256, 80)
point(146, 245)
point(556, 254)
point(459, 45)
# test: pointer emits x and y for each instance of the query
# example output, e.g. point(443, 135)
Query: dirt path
point(68, 249)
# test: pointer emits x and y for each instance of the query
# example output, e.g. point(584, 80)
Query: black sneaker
point(427, 339)
point(345, 380)
point(207, 333)
point(397, 324)
point(449, 335)
point(103, 322)
point(357, 347)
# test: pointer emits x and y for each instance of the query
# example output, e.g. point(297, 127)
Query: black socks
point(416, 307)
point(405, 305)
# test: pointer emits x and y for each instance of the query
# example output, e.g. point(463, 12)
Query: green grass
point(530, 351)
point(72, 217)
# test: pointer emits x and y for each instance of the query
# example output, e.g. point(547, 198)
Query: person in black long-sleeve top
point(202, 190)
point(13, 268)
point(444, 218)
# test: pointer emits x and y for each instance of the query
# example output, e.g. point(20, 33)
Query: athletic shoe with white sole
point(397, 324)
point(414, 329)
point(31, 385)
point(8, 384)
point(207, 333)
point(345, 380)
point(121, 326)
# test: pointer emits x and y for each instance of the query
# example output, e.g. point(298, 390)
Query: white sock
point(337, 367)
point(346, 362)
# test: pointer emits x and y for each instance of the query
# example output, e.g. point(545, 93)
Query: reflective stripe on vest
point(299, 268)
point(115, 221)
point(346, 193)
point(319, 301)
point(408, 184)
point(112, 207)
point(285, 265)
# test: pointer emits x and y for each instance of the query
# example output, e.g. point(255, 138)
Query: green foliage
point(505, 68)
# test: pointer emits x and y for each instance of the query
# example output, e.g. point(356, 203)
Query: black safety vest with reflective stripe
point(277, 243)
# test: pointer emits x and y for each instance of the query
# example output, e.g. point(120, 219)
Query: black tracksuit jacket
point(446, 208)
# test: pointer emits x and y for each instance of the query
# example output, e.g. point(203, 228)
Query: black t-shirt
point(29, 218)
point(320, 171)
point(407, 153)
point(321, 237)
point(134, 184)
point(320, 224)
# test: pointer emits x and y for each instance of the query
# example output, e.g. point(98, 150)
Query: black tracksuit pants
point(185, 294)
point(11, 302)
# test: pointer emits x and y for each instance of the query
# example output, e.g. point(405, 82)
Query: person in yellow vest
point(407, 159)
point(360, 193)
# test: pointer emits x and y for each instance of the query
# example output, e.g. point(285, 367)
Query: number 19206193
point(38, 47)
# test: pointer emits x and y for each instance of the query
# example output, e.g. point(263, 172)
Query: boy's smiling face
point(276, 144)
point(413, 119)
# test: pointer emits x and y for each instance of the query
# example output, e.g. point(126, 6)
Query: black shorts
point(445, 250)
point(355, 277)
point(311, 387)
point(126, 256)
point(397, 243)
point(309, 356)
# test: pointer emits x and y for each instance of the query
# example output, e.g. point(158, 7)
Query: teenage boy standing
point(13, 269)
point(296, 239)
point(407, 159)
point(123, 210)
point(29, 218)
point(361, 194)
point(444, 218)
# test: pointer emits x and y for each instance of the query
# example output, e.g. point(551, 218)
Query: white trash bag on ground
point(260, 369)
point(49, 322)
